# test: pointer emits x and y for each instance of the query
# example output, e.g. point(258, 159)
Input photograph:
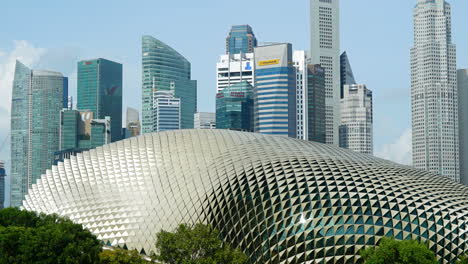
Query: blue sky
point(377, 36)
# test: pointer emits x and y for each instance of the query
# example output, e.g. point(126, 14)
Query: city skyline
point(388, 128)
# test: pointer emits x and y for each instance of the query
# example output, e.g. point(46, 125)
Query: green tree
point(196, 245)
point(27, 237)
point(463, 259)
point(392, 251)
point(121, 256)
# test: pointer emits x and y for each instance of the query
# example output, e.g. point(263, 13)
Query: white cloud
point(400, 150)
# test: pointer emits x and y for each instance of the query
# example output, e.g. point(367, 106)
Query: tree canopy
point(196, 245)
point(27, 237)
point(391, 251)
point(463, 259)
point(121, 256)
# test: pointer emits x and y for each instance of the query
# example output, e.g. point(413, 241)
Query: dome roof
point(279, 199)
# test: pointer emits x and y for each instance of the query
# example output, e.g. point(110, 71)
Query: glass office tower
point(37, 99)
point(100, 91)
point(167, 111)
point(275, 91)
point(234, 107)
point(316, 94)
point(2, 184)
point(347, 76)
point(79, 130)
point(165, 69)
point(241, 39)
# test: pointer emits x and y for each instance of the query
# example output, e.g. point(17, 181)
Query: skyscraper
point(100, 91)
point(235, 68)
point(301, 59)
point(234, 107)
point(241, 39)
point(275, 90)
point(133, 127)
point(37, 99)
point(325, 50)
point(2, 184)
point(310, 98)
point(462, 78)
point(205, 120)
point(167, 114)
point(356, 129)
point(347, 76)
point(165, 69)
point(79, 130)
point(434, 95)
point(315, 118)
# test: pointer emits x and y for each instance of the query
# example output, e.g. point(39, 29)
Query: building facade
point(100, 91)
point(37, 99)
point(356, 129)
point(325, 50)
point(165, 69)
point(462, 77)
point(235, 68)
point(315, 118)
point(310, 98)
point(278, 199)
point(167, 111)
point(234, 107)
point(2, 184)
point(301, 59)
point(80, 130)
point(133, 126)
point(241, 39)
point(434, 95)
point(275, 90)
point(204, 120)
point(347, 76)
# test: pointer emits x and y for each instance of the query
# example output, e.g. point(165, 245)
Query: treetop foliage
point(27, 237)
point(196, 245)
point(391, 251)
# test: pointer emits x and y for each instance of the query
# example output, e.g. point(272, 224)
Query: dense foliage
point(121, 256)
point(196, 245)
point(26, 237)
point(391, 251)
point(463, 259)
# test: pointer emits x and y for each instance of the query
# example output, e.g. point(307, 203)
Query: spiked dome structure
point(280, 200)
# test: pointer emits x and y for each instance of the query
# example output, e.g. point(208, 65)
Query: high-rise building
point(325, 50)
point(37, 99)
point(205, 120)
point(356, 129)
point(165, 69)
point(100, 91)
point(347, 76)
point(241, 39)
point(301, 59)
point(167, 111)
point(275, 90)
point(310, 96)
point(462, 78)
point(80, 130)
point(234, 107)
point(235, 68)
point(434, 95)
point(133, 127)
point(315, 118)
point(2, 184)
